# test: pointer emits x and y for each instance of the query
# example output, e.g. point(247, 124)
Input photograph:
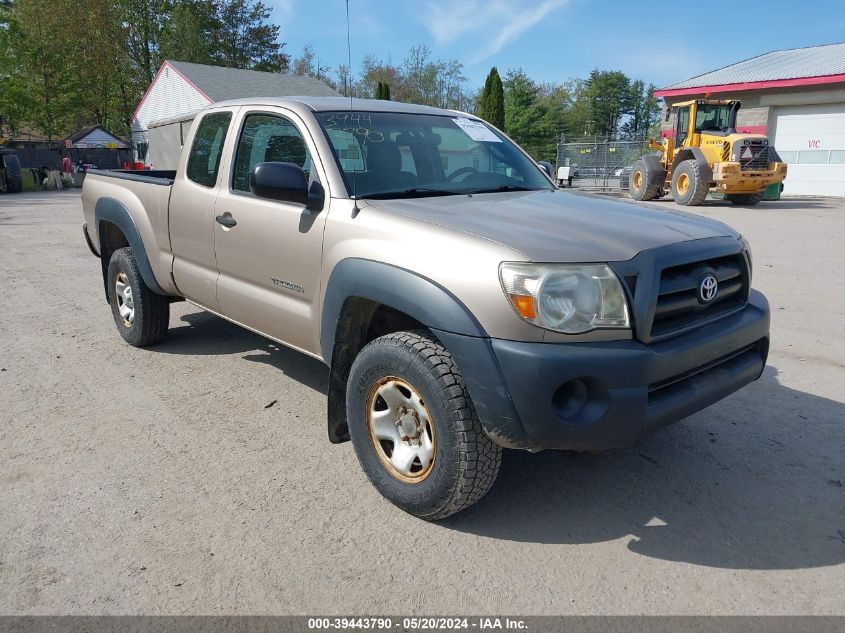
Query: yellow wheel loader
point(706, 154)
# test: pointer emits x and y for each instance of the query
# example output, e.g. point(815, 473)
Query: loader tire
point(745, 199)
point(642, 184)
point(688, 187)
point(14, 182)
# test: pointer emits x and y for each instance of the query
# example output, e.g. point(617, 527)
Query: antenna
point(355, 208)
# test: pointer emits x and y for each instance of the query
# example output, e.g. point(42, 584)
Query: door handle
point(226, 220)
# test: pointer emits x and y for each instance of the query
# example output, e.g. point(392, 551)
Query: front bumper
point(730, 178)
point(590, 396)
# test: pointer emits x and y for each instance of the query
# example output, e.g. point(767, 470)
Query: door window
point(682, 126)
point(204, 160)
point(268, 138)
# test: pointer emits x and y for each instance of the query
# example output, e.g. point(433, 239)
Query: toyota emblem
point(708, 288)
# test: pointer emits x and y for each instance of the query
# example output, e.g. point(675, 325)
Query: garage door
point(811, 139)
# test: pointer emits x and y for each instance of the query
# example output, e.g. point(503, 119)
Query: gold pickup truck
point(461, 301)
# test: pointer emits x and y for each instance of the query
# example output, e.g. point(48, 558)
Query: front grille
point(678, 306)
point(759, 160)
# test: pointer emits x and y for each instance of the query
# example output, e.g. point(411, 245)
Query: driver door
point(269, 252)
point(682, 126)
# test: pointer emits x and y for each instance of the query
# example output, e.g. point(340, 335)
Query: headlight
point(570, 298)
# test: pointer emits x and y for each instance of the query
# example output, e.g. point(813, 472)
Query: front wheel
point(142, 316)
point(414, 427)
point(688, 186)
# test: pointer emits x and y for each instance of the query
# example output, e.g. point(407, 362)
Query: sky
point(555, 40)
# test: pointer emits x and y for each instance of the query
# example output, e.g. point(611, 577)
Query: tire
point(688, 187)
point(745, 199)
point(14, 182)
point(642, 185)
point(142, 316)
point(418, 372)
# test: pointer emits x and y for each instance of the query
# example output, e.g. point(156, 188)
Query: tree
point(188, 32)
point(42, 66)
point(375, 71)
point(643, 110)
point(491, 101)
point(383, 91)
point(143, 22)
point(244, 39)
point(608, 94)
point(520, 112)
point(428, 81)
point(342, 80)
point(534, 113)
point(577, 117)
point(16, 100)
point(308, 64)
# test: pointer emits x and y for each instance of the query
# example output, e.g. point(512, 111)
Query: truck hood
point(557, 226)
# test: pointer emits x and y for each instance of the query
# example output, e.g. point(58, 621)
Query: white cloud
point(283, 9)
point(498, 22)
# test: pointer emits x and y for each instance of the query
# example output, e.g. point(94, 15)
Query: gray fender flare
point(434, 307)
point(422, 299)
point(113, 211)
point(688, 153)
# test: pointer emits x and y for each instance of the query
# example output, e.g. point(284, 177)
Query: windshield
point(713, 118)
point(394, 155)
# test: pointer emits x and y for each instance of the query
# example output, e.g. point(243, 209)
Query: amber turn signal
point(524, 305)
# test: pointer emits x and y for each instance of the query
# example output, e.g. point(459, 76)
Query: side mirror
point(546, 166)
point(280, 181)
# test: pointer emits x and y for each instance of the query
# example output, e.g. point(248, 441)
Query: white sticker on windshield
point(476, 130)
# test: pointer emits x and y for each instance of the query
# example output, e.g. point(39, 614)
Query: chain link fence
point(598, 163)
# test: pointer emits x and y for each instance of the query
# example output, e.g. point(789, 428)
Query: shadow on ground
point(202, 333)
point(784, 204)
point(754, 482)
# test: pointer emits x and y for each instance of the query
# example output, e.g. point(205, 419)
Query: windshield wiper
point(411, 192)
point(501, 188)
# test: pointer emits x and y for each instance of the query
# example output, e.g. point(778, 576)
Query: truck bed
point(145, 196)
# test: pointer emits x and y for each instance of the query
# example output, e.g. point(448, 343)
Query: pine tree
point(482, 105)
point(497, 100)
point(383, 91)
point(491, 101)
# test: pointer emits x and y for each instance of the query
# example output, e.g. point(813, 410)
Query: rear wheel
point(414, 428)
point(641, 185)
point(745, 199)
point(688, 186)
point(142, 316)
point(13, 180)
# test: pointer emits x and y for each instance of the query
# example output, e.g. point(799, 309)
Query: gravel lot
point(163, 481)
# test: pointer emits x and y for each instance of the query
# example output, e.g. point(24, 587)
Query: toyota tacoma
point(461, 301)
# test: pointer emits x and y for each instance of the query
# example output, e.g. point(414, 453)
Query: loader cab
point(717, 118)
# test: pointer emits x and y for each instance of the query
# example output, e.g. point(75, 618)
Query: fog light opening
point(570, 397)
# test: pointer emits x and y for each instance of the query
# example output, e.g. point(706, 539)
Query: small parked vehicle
point(462, 302)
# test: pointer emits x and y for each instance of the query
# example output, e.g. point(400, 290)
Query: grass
point(28, 185)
